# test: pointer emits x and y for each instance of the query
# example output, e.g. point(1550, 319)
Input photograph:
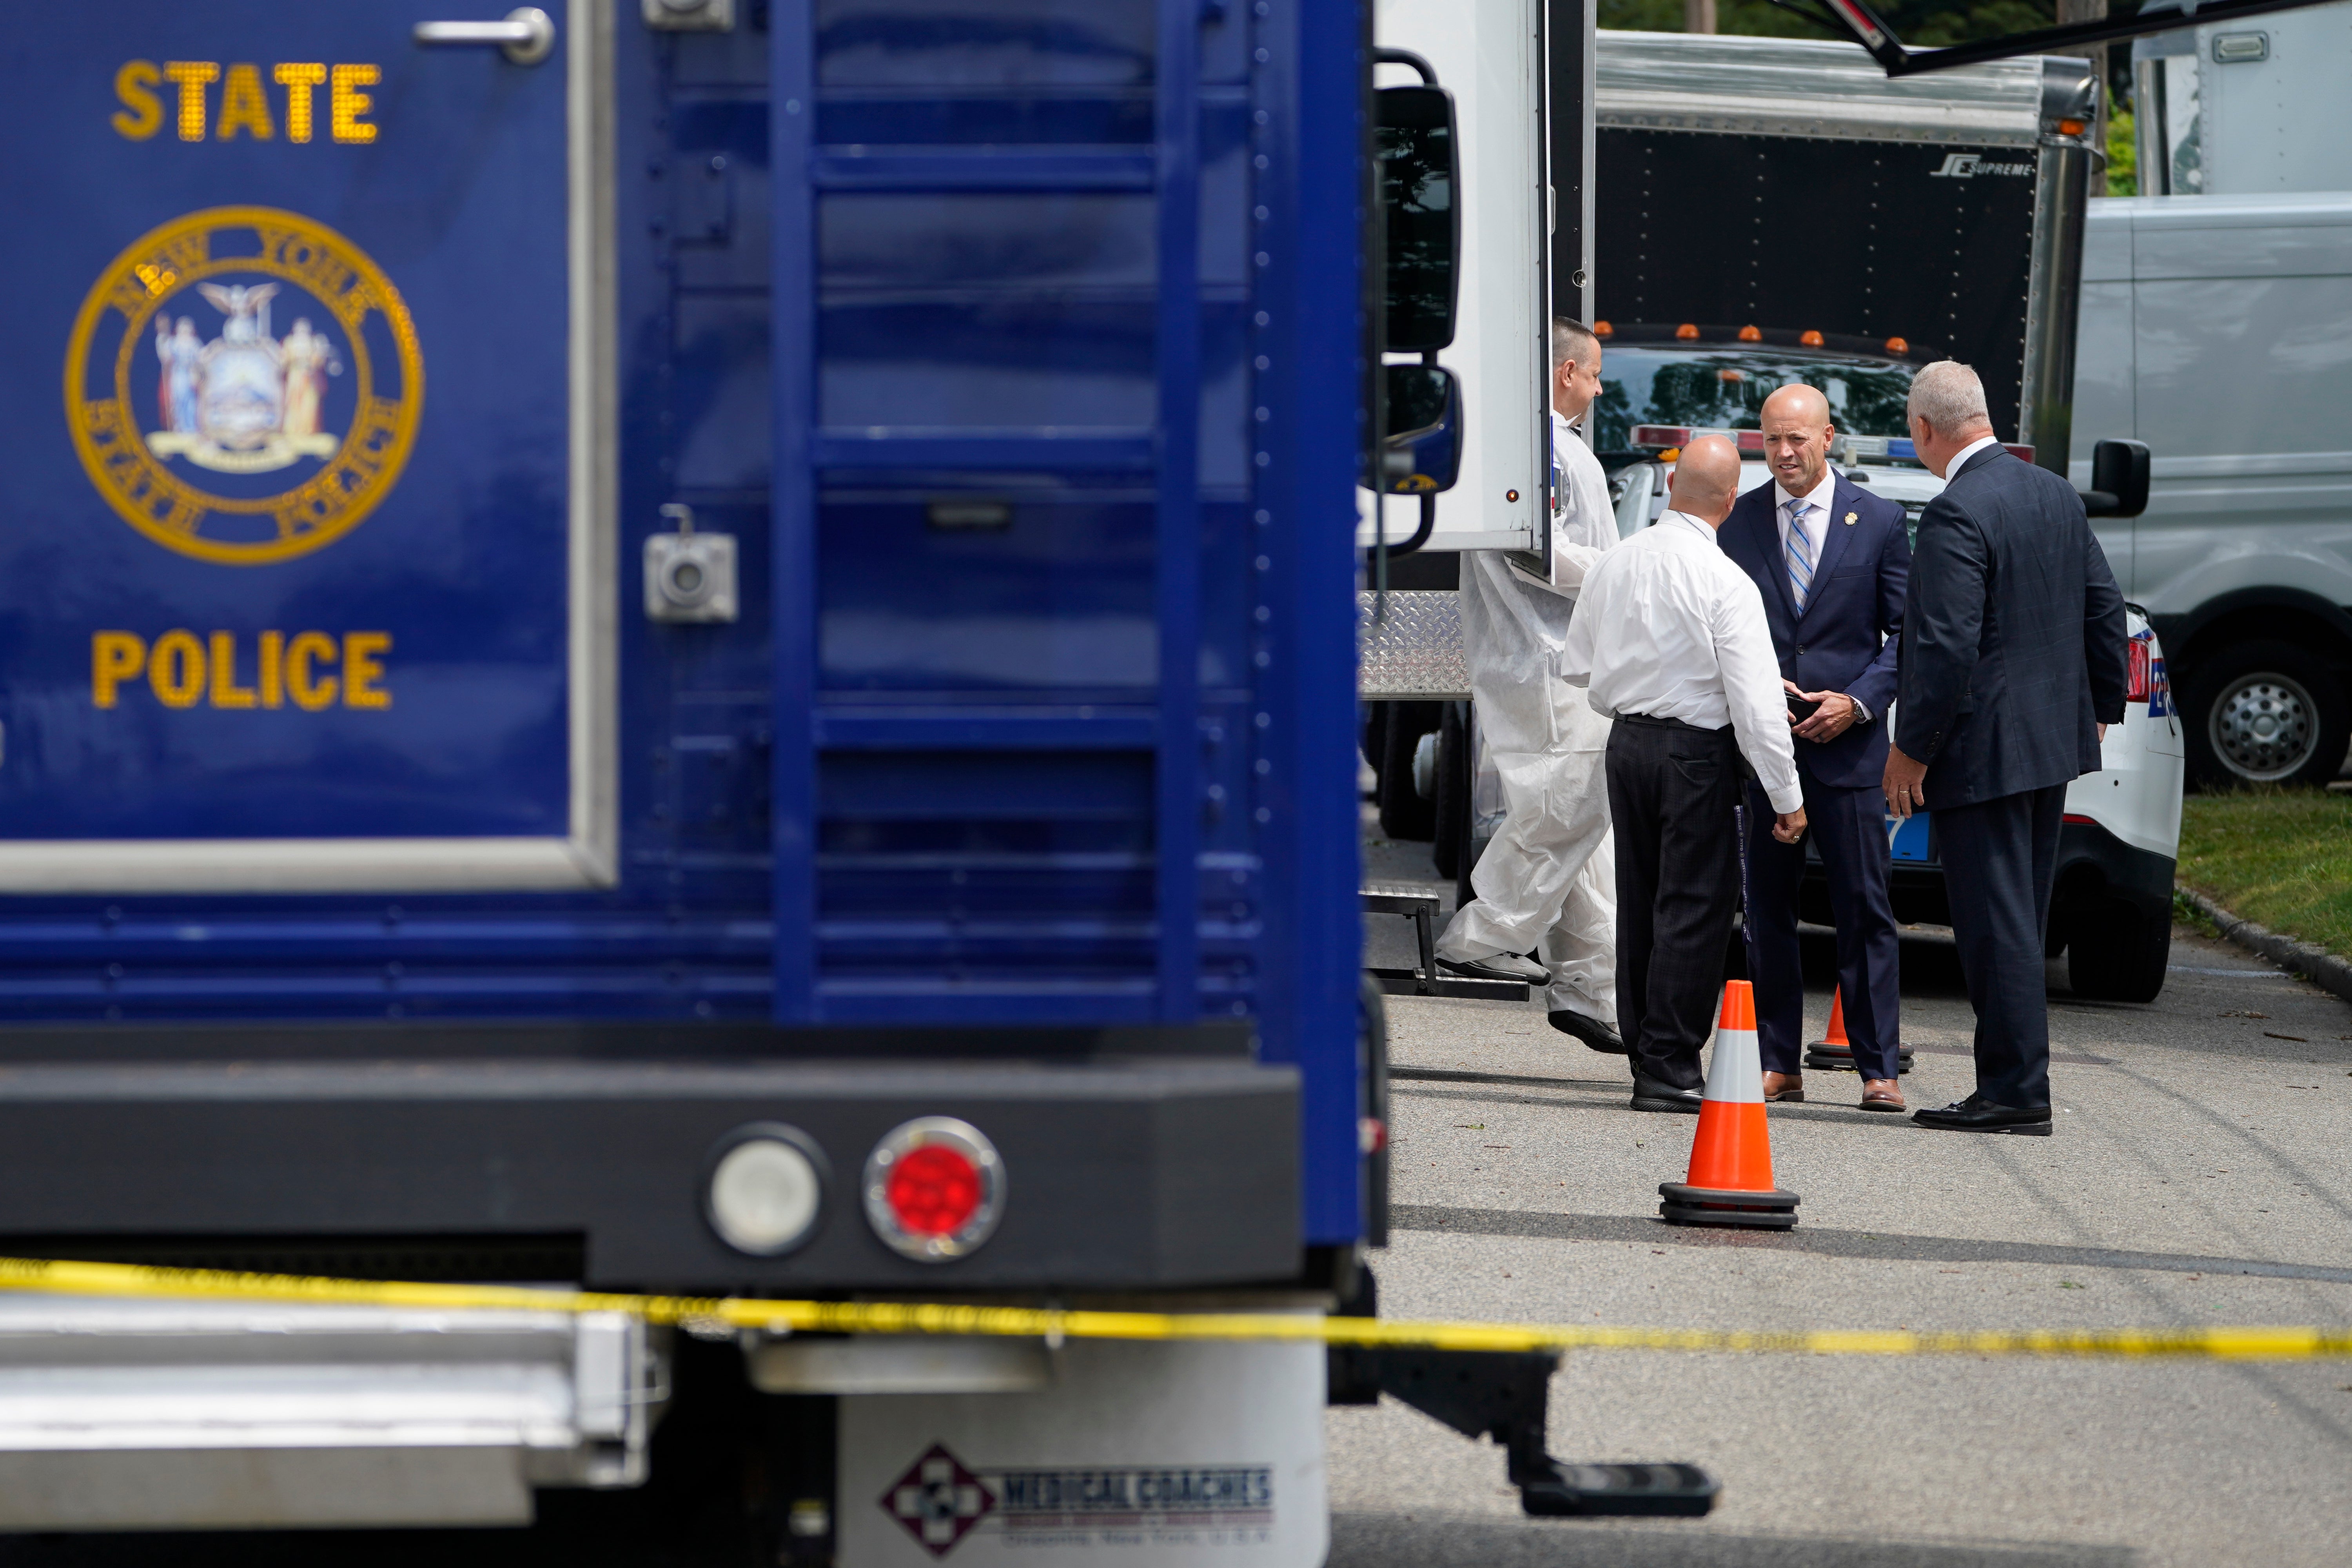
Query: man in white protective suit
point(1547, 881)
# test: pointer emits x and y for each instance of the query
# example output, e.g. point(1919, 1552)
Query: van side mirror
point(2118, 479)
point(1415, 150)
point(1421, 451)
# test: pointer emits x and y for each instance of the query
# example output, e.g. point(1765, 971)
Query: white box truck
point(2217, 327)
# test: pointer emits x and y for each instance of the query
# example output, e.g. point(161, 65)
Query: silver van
point(2218, 329)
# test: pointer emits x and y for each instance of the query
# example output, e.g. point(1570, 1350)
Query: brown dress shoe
point(1787, 1088)
point(1878, 1094)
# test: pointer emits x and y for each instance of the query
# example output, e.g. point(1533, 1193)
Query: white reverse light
point(767, 1189)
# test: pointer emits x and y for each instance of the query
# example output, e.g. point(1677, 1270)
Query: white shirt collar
point(1970, 450)
point(1819, 496)
point(1697, 525)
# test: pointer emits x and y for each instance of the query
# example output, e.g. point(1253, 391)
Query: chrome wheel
point(2264, 726)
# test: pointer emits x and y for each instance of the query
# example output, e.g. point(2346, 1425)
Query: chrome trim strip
point(294, 865)
point(594, 842)
point(1798, 86)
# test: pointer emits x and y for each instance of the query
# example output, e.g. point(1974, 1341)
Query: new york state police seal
point(243, 385)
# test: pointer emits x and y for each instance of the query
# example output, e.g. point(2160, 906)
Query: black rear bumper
point(1125, 1173)
point(2093, 864)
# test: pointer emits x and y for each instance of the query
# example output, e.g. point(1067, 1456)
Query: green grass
point(2281, 858)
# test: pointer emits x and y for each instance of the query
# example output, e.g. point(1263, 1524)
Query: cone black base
point(1828, 1058)
point(1775, 1210)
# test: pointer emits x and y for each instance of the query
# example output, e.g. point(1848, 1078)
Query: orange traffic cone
point(1731, 1156)
point(1836, 1054)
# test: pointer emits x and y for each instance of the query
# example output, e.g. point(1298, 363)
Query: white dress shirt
point(1669, 626)
point(1817, 538)
point(1970, 450)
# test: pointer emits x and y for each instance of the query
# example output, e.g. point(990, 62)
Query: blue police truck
point(702, 646)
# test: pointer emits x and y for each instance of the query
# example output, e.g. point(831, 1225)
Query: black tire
point(2265, 712)
point(2117, 951)
point(1452, 802)
point(1404, 815)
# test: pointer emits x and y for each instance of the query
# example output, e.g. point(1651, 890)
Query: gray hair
point(1949, 396)
point(1573, 339)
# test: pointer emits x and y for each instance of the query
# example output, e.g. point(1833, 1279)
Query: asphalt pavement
point(2198, 1176)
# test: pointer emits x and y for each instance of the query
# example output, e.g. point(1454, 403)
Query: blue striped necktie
point(1800, 550)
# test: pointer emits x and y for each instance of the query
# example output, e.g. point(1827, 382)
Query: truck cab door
point(303, 575)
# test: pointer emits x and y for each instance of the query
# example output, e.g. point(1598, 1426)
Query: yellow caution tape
point(116, 1279)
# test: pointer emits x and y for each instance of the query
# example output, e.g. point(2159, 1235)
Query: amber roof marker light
point(1687, 332)
point(1810, 339)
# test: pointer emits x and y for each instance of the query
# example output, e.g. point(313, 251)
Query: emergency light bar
point(1661, 436)
point(1849, 448)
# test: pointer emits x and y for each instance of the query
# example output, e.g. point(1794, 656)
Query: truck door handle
point(527, 36)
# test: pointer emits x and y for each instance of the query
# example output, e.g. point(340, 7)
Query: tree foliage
point(2123, 152)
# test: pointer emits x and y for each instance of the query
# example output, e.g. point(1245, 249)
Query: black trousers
point(1849, 827)
point(1999, 857)
point(1672, 790)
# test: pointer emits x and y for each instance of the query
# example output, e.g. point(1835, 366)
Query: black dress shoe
point(1649, 1094)
point(1592, 1031)
point(1978, 1114)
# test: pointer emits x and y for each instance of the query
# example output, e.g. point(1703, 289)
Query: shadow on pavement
point(1536, 1225)
point(1398, 1540)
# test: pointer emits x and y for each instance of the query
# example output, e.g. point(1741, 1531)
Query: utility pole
point(1699, 16)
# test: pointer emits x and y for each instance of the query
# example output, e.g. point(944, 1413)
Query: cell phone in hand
point(1799, 710)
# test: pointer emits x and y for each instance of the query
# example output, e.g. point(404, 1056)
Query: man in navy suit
point(2013, 667)
point(1833, 563)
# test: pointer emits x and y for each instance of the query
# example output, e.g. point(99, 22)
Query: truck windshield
point(1724, 388)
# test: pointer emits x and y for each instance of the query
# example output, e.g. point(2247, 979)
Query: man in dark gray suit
point(2013, 667)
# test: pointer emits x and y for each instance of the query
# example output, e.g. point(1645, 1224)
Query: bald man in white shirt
point(1671, 643)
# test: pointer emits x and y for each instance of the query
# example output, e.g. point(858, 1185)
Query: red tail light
point(2140, 683)
point(1750, 440)
point(2022, 449)
point(934, 1188)
point(1661, 436)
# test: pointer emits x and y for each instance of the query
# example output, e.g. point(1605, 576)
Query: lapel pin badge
point(1850, 519)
